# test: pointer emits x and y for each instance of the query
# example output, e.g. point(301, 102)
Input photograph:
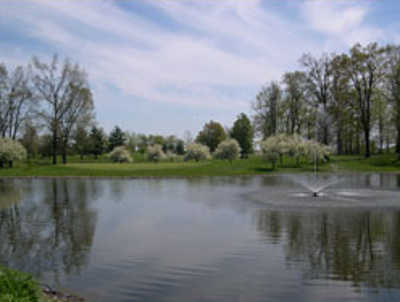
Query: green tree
point(294, 101)
point(30, 140)
point(267, 108)
point(180, 147)
point(365, 68)
point(116, 138)
point(97, 141)
point(212, 134)
point(242, 132)
point(81, 141)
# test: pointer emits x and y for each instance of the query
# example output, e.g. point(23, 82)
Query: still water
point(205, 239)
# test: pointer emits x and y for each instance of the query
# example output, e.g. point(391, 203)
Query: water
point(206, 239)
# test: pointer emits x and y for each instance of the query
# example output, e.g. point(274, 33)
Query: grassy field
point(254, 165)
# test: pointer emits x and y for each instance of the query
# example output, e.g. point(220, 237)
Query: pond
point(259, 238)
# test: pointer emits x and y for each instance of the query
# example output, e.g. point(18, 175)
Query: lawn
point(254, 165)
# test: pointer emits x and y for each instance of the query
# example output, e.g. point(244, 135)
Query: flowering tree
point(155, 153)
point(197, 152)
point(228, 149)
point(120, 155)
point(11, 150)
point(275, 147)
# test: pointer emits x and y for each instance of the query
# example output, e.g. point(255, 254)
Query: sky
point(166, 66)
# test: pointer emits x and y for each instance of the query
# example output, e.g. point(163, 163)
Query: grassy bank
point(252, 166)
point(19, 287)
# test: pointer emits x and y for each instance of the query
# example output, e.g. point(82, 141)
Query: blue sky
point(166, 66)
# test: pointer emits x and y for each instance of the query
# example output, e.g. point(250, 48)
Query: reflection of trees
point(361, 247)
point(9, 193)
point(50, 233)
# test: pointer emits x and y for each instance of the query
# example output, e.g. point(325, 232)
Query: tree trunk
point(339, 143)
point(367, 143)
point(64, 155)
point(398, 140)
point(54, 151)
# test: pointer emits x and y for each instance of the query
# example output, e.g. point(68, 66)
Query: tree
point(180, 147)
point(120, 155)
point(197, 152)
point(392, 85)
point(187, 137)
point(81, 141)
point(318, 72)
point(365, 67)
point(267, 106)
point(116, 138)
point(132, 141)
point(66, 94)
point(228, 149)
point(294, 101)
point(212, 134)
point(97, 141)
point(341, 107)
point(30, 140)
point(79, 113)
point(10, 150)
point(15, 100)
point(242, 132)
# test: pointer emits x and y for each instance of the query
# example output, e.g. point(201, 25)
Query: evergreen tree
point(116, 139)
point(242, 131)
point(97, 141)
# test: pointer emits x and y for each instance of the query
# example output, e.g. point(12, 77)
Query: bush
point(197, 152)
point(228, 149)
point(120, 155)
point(10, 151)
point(155, 153)
point(18, 287)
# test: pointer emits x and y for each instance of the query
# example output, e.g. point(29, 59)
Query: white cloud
point(341, 20)
point(236, 45)
point(214, 47)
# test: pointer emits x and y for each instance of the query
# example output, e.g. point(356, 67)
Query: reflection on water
point(201, 239)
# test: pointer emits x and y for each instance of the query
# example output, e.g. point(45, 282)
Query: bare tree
point(67, 98)
point(15, 100)
point(318, 71)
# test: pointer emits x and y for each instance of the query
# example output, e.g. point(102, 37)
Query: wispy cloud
point(341, 21)
point(196, 54)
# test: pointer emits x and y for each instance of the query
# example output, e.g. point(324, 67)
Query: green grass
point(253, 165)
point(18, 287)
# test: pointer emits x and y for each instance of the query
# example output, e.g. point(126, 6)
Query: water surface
point(206, 239)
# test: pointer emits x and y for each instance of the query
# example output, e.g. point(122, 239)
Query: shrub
point(197, 152)
point(155, 153)
point(120, 155)
point(270, 150)
point(172, 157)
point(11, 150)
point(228, 149)
point(17, 286)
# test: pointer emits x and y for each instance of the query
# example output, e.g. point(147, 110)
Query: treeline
point(349, 100)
